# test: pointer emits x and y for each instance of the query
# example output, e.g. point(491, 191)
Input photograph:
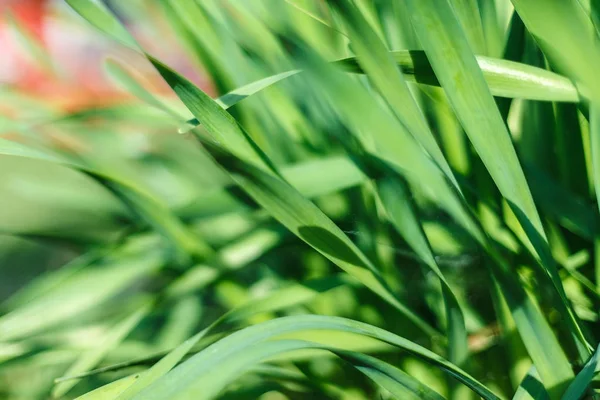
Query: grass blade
point(197, 374)
point(456, 67)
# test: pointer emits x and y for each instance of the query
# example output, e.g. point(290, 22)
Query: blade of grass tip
point(376, 61)
point(199, 371)
point(457, 69)
point(582, 381)
point(505, 79)
point(235, 96)
point(91, 357)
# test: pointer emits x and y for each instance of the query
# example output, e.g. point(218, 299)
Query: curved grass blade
point(160, 368)
point(292, 295)
point(207, 386)
point(185, 379)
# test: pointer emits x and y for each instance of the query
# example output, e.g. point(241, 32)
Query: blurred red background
point(76, 79)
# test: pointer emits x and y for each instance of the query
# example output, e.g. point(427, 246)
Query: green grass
point(384, 199)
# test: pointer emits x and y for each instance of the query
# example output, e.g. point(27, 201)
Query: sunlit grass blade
point(187, 378)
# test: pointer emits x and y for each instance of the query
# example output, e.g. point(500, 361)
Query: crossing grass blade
point(505, 79)
point(567, 37)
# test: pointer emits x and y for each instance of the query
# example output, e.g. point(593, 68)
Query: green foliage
point(374, 204)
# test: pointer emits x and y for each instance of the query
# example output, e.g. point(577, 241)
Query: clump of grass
point(386, 199)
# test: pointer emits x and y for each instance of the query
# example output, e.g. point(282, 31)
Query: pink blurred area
point(77, 51)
